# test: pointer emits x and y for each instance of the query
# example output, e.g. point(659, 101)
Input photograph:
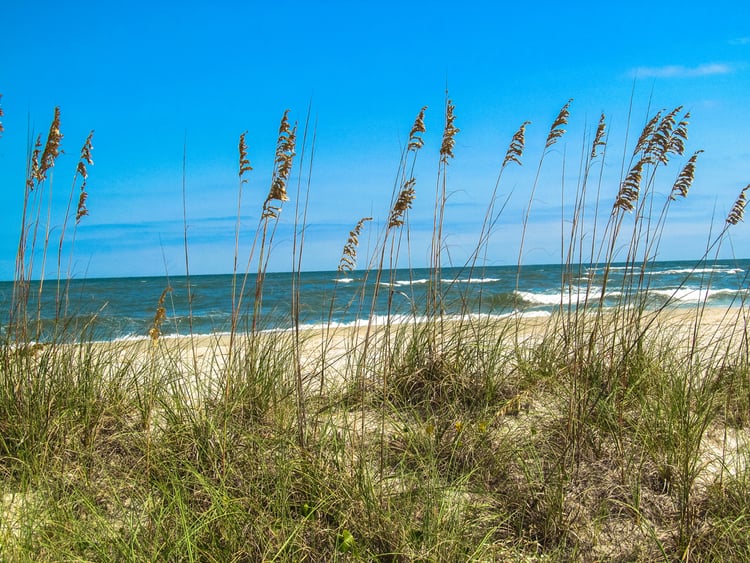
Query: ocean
point(121, 308)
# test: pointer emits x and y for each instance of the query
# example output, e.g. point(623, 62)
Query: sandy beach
point(331, 355)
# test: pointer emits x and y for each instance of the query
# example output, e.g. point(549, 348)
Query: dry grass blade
point(557, 131)
point(517, 144)
point(599, 137)
point(630, 188)
point(685, 178)
point(449, 134)
point(738, 209)
point(159, 317)
point(403, 203)
point(1, 114)
point(349, 255)
point(415, 135)
point(244, 161)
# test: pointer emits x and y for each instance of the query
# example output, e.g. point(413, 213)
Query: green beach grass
point(596, 434)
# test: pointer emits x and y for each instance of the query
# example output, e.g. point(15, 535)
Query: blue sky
point(153, 77)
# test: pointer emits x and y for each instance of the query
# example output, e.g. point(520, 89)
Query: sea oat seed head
point(51, 148)
point(685, 178)
point(679, 137)
point(598, 137)
point(646, 134)
point(658, 147)
point(85, 156)
point(244, 161)
point(82, 211)
point(449, 133)
point(285, 154)
point(159, 317)
point(1, 114)
point(349, 255)
point(403, 203)
point(33, 173)
point(87, 148)
point(557, 131)
point(517, 144)
point(738, 209)
point(415, 135)
point(630, 188)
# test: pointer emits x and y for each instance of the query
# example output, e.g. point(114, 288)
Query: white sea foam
point(473, 280)
point(671, 271)
point(385, 320)
point(699, 271)
point(405, 283)
point(688, 295)
point(540, 298)
point(565, 297)
point(422, 281)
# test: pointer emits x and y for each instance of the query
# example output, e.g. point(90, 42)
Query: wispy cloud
point(680, 71)
point(740, 41)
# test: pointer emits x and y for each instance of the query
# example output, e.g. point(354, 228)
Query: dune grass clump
point(602, 432)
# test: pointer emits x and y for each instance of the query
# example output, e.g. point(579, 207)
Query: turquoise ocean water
point(116, 308)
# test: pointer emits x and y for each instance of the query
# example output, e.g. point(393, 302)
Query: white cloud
point(680, 71)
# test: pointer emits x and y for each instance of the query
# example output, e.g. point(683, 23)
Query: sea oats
point(285, 154)
point(82, 210)
point(415, 135)
point(244, 161)
point(349, 255)
point(685, 178)
point(449, 134)
point(33, 173)
point(517, 144)
point(679, 136)
point(660, 142)
point(403, 203)
point(647, 133)
point(85, 159)
point(51, 148)
point(738, 209)
point(159, 317)
point(557, 131)
point(1, 114)
point(630, 188)
point(598, 137)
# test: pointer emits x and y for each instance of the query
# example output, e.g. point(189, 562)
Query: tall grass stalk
point(186, 251)
point(244, 168)
point(435, 309)
point(300, 220)
point(555, 133)
point(39, 164)
point(81, 211)
point(277, 194)
point(514, 154)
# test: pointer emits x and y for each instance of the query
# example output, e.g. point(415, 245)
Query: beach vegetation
point(601, 432)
